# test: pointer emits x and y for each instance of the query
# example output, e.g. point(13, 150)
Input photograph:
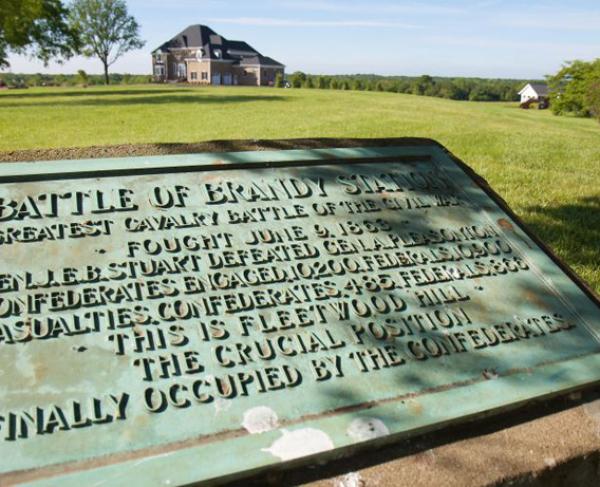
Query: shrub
point(279, 80)
point(83, 78)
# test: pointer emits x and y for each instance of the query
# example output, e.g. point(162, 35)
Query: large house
point(200, 55)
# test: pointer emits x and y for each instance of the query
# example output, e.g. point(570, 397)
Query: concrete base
point(551, 444)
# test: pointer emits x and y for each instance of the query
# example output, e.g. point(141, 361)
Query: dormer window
point(217, 53)
point(199, 54)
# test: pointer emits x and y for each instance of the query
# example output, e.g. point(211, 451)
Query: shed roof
point(540, 88)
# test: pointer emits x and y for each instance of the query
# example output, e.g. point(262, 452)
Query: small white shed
point(534, 92)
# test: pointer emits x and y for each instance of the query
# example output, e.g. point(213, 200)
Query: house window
point(194, 76)
point(217, 53)
point(204, 75)
point(159, 70)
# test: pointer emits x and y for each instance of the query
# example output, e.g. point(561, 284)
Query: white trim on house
point(206, 60)
point(235, 52)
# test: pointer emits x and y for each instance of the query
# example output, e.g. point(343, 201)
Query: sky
point(487, 38)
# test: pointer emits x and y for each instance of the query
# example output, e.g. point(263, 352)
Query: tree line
point(574, 90)
point(81, 79)
point(473, 89)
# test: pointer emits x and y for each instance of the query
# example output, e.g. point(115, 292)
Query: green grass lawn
point(546, 167)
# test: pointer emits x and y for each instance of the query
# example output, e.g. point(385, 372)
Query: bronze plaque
point(169, 320)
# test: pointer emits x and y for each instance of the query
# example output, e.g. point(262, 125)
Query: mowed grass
point(547, 168)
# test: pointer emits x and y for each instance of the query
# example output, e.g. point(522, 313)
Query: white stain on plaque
point(260, 419)
point(300, 443)
point(221, 405)
point(363, 429)
point(25, 367)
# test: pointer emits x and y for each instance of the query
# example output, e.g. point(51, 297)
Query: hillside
point(546, 167)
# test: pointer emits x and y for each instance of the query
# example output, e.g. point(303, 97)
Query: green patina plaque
point(170, 320)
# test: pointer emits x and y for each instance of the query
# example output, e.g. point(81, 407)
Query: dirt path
point(96, 152)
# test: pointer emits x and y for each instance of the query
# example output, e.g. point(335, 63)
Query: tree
point(297, 79)
point(106, 30)
point(482, 93)
point(279, 81)
point(510, 93)
point(571, 87)
point(357, 85)
point(370, 85)
point(38, 27)
point(308, 82)
point(60, 80)
point(401, 86)
point(422, 85)
point(83, 78)
point(593, 98)
point(35, 80)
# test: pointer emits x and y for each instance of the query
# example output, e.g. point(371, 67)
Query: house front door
point(216, 79)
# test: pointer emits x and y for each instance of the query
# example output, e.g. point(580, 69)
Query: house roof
point(216, 47)
point(192, 36)
point(240, 46)
point(540, 88)
point(259, 59)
